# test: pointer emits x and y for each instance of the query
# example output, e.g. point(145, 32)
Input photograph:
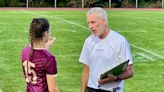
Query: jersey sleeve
point(84, 56)
point(51, 66)
point(124, 51)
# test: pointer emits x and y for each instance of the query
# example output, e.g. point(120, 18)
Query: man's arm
point(125, 75)
point(85, 77)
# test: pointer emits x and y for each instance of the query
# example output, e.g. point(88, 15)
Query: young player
point(39, 65)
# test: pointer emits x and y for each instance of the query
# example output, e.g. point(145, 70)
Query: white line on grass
point(130, 31)
point(59, 19)
point(145, 56)
point(148, 51)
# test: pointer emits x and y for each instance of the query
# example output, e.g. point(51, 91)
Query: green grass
point(142, 28)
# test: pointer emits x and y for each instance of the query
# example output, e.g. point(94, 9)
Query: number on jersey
point(28, 67)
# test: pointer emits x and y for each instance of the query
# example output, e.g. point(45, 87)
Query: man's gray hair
point(100, 11)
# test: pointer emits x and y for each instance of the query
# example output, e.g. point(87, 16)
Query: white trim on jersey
point(39, 48)
point(52, 75)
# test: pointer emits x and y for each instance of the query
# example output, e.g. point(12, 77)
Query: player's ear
point(46, 36)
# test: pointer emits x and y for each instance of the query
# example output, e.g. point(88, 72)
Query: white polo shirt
point(102, 53)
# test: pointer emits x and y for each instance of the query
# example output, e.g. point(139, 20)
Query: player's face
point(96, 24)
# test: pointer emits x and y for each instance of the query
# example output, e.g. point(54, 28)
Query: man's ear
point(46, 33)
point(104, 22)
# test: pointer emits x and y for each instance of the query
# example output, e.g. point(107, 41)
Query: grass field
point(143, 29)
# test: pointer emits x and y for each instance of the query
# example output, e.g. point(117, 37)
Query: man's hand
point(108, 79)
point(50, 41)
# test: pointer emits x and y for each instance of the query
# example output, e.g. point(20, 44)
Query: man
point(102, 48)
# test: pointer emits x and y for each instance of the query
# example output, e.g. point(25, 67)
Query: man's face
point(96, 24)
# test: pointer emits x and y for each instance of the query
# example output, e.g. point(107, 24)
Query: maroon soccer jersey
point(35, 71)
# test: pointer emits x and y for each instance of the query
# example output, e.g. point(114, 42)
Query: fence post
point(26, 3)
point(136, 3)
point(162, 3)
point(55, 3)
point(82, 3)
point(110, 3)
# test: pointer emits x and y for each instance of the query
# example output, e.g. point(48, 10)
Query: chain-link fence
point(84, 3)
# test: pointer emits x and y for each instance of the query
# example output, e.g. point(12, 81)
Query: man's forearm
point(85, 76)
point(126, 74)
point(84, 86)
point(84, 81)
